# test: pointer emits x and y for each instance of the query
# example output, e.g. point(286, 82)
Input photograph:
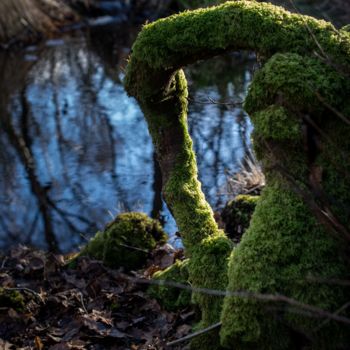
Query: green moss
point(290, 101)
point(11, 299)
point(282, 250)
point(126, 241)
point(346, 28)
point(295, 82)
point(237, 214)
point(114, 306)
point(274, 123)
point(172, 298)
point(169, 43)
point(208, 269)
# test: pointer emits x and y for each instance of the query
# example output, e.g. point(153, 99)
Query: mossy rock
point(237, 214)
point(11, 299)
point(126, 241)
point(172, 298)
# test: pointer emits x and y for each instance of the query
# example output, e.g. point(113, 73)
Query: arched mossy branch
point(155, 78)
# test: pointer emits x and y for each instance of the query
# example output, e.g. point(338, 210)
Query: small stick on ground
point(195, 334)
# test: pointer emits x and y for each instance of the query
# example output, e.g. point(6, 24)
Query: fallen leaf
point(183, 330)
point(4, 345)
point(60, 346)
point(38, 343)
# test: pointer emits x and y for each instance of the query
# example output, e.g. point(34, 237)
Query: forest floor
point(46, 305)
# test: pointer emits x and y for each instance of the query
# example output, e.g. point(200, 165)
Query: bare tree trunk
point(21, 20)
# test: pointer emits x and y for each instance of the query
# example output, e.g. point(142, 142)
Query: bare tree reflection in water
point(60, 137)
point(220, 130)
point(74, 149)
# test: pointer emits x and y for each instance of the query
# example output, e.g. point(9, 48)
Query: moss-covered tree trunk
point(22, 20)
point(297, 103)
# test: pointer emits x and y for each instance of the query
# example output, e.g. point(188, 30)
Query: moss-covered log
point(298, 103)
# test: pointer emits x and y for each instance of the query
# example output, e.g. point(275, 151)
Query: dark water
point(75, 149)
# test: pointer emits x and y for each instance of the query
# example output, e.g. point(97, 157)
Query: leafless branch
point(211, 101)
point(332, 109)
point(195, 334)
point(314, 311)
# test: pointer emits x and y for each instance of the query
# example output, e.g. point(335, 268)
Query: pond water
point(75, 149)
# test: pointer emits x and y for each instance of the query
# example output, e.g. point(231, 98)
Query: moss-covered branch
point(289, 102)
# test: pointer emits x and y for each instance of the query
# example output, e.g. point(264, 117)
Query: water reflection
point(75, 149)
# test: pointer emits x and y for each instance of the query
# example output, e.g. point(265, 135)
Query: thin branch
point(133, 248)
point(324, 57)
point(337, 312)
point(332, 109)
point(4, 262)
point(313, 310)
point(211, 101)
point(195, 334)
point(82, 302)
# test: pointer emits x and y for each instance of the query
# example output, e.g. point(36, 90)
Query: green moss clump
point(237, 214)
point(172, 298)
point(126, 241)
point(11, 298)
point(288, 83)
point(288, 245)
point(283, 250)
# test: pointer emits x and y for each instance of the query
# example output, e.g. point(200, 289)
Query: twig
point(333, 281)
point(332, 109)
point(211, 101)
point(314, 310)
point(82, 302)
point(323, 56)
point(250, 190)
point(337, 312)
point(195, 334)
point(133, 248)
point(4, 262)
point(310, 32)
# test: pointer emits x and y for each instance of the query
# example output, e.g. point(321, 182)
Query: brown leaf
point(38, 343)
point(115, 333)
point(6, 280)
point(4, 345)
point(164, 256)
point(77, 344)
point(183, 330)
point(123, 325)
point(60, 346)
point(93, 325)
point(72, 279)
point(75, 328)
point(151, 270)
point(13, 313)
point(35, 264)
point(102, 316)
point(54, 338)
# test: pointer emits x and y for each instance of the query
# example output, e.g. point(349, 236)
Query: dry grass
point(249, 179)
